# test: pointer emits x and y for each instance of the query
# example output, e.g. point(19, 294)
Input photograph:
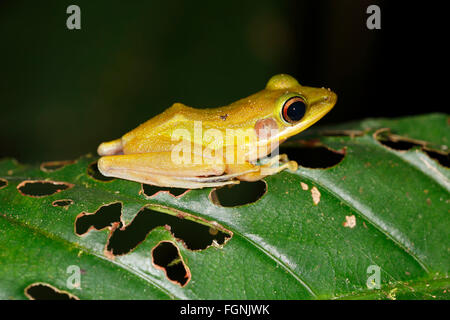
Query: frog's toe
point(104, 165)
point(292, 166)
point(110, 148)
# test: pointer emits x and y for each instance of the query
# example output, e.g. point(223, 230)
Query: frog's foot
point(251, 172)
point(187, 183)
point(281, 161)
point(276, 160)
point(229, 178)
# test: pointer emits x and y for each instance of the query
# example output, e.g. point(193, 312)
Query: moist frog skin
point(260, 122)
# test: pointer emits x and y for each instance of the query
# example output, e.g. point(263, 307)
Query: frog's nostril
point(330, 98)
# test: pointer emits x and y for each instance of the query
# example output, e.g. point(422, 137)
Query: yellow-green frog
point(192, 148)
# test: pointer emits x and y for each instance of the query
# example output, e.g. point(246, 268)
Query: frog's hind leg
point(159, 168)
point(110, 148)
point(221, 178)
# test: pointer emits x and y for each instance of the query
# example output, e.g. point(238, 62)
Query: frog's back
point(155, 135)
point(177, 116)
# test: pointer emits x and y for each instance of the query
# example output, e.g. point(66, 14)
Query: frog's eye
point(293, 109)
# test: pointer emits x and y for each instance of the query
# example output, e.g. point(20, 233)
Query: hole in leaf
point(393, 141)
point(3, 183)
point(106, 216)
point(442, 158)
point(44, 291)
point(315, 157)
point(195, 235)
point(342, 133)
point(238, 194)
point(150, 190)
point(42, 188)
point(62, 203)
point(55, 165)
point(93, 172)
point(166, 256)
point(400, 143)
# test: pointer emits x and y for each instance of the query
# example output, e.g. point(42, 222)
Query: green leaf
point(318, 233)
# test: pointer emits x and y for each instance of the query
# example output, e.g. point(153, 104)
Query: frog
point(259, 122)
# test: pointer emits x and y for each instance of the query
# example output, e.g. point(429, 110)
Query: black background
point(65, 91)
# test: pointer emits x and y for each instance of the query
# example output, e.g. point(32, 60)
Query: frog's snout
point(324, 101)
point(331, 100)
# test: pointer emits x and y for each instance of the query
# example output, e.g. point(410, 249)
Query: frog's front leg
point(160, 169)
point(257, 172)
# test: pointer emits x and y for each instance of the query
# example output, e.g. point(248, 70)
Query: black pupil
point(296, 110)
